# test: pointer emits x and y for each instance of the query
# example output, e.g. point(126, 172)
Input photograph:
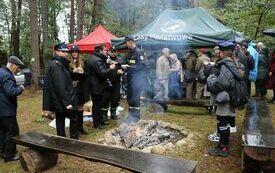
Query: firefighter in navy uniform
point(112, 93)
point(135, 70)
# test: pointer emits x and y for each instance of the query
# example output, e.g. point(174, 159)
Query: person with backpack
point(200, 85)
point(224, 83)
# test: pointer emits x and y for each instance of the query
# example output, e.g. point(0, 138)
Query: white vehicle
point(20, 78)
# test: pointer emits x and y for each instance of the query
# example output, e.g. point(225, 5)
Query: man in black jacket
point(112, 94)
point(99, 72)
point(58, 92)
point(8, 104)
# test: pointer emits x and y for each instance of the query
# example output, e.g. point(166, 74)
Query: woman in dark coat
point(271, 79)
point(78, 78)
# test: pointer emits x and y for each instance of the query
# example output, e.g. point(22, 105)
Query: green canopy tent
point(182, 28)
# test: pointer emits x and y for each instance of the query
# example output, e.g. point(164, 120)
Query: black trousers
point(224, 129)
point(112, 97)
point(80, 121)
point(60, 124)
point(248, 83)
point(260, 87)
point(8, 129)
point(96, 110)
point(135, 85)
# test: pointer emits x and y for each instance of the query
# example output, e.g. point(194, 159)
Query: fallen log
point(123, 158)
point(182, 102)
point(36, 161)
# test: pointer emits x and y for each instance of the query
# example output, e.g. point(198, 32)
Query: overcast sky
point(63, 28)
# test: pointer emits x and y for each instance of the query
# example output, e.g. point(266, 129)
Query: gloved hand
point(22, 86)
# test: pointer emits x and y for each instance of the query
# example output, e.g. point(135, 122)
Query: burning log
point(145, 134)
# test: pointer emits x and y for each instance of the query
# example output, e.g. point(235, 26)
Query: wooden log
point(248, 164)
point(36, 161)
point(272, 155)
point(186, 102)
point(256, 153)
point(132, 160)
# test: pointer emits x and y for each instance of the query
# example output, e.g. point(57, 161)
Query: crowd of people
point(178, 78)
point(69, 83)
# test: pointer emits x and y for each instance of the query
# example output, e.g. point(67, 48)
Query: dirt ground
point(196, 119)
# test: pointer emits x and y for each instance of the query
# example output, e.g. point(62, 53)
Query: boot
point(136, 114)
point(128, 119)
point(113, 114)
point(105, 116)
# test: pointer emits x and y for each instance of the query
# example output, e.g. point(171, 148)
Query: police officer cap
point(226, 45)
point(61, 47)
point(129, 38)
point(15, 60)
point(74, 48)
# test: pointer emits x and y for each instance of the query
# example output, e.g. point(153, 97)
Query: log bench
point(128, 159)
point(182, 102)
point(258, 138)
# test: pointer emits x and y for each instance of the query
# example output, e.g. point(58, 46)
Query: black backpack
point(239, 93)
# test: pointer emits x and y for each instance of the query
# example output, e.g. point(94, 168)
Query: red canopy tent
point(99, 36)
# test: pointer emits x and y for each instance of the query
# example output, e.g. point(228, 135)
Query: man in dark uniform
point(112, 93)
point(58, 95)
point(135, 78)
point(8, 107)
point(98, 72)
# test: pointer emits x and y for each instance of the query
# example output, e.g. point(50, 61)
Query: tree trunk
point(80, 18)
point(35, 60)
point(72, 21)
point(191, 3)
point(220, 4)
point(96, 15)
point(45, 22)
point(259, 25)
point(17, 33)
point(37, 161)
point(13, 26)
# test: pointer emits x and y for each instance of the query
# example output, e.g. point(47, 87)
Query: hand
point(78, 70)
point(205, 62)
point(125, 66)
point(114, 62)
point(22, 86)
point(120, 72)
point(112, 67)
point(69, 107)
point(162, 82)
point(108, 61)
point(270, 73)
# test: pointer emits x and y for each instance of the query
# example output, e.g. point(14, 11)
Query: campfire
point(148, 136)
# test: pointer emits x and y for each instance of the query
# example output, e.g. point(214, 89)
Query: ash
point(144, 133)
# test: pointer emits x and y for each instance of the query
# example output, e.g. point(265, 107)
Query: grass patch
point(196, 120)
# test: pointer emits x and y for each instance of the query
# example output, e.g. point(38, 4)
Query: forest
point(30, 28)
